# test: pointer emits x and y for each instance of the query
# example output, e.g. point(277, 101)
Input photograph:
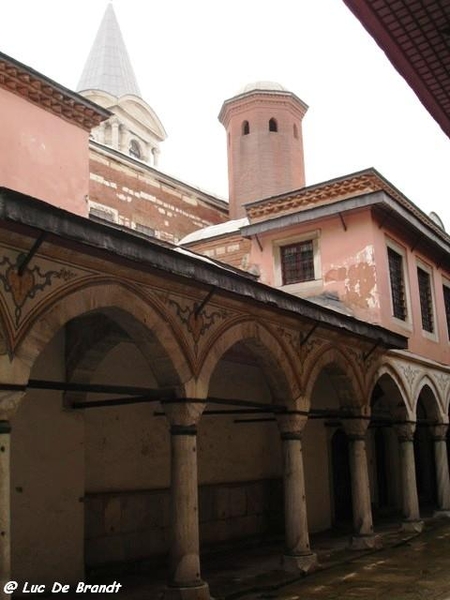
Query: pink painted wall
point(434, 346)
point(354, 264)
point(346, 260)
point(43, 155)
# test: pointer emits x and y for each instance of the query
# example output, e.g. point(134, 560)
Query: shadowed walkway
point(409, 567)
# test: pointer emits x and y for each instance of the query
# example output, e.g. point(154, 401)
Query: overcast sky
point(190, 55)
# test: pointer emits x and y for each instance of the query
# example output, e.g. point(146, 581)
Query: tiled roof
point(415, 35)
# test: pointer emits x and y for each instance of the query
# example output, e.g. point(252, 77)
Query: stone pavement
point(408, 567)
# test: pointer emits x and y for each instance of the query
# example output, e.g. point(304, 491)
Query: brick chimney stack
point(264, 143)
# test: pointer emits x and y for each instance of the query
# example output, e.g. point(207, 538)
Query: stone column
point(185, 582)
point(410, 501)
point(9, 402)
point(5, 509)
point(156, 152)
point(363, 536)
point(442, 473)
point(297, 555)
point(115, 134)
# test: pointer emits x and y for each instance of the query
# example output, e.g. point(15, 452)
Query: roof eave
point(21, 210)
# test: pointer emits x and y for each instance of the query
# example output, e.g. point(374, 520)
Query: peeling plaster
point(357, 274)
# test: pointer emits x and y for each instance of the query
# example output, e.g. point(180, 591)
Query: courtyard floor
point(408, 567)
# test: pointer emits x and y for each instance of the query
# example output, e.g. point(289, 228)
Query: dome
point(266, 86)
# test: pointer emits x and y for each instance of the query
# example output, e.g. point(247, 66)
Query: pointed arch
point(121, 302)
point(428, 392)
point(342, 372)
point(392, 384)
point(272, 357)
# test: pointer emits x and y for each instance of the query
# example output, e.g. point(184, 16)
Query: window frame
point(446, 284)
point(299, 286)
point(432, 335)
point(407, 323)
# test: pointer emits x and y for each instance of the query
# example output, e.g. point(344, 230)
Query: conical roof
point(108, 67)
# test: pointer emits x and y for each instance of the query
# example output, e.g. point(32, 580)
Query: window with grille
point(446, 290)
point(397, 278)
point(297, 262)
point(426, 300)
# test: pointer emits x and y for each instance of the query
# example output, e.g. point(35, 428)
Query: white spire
point(108, 67)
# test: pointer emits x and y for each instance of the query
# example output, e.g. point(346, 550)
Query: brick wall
point(138, 197)
point(232, 249)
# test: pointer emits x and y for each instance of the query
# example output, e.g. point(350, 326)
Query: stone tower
point(265, 144)
point(108, 79)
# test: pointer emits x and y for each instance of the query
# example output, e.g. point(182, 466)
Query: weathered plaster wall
point(346, 261)
point(47, 481)
point(128, 467)
point(43, 155)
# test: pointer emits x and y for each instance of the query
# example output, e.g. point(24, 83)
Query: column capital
point(356, 427)
point(405, 431)
point(184, 415)
point(439, 432)
point(291, 425)
point(9, 403)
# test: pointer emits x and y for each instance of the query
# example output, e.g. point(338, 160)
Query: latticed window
point(426, 300)
point(446, 290)
point(397, 284)
point(297, 262)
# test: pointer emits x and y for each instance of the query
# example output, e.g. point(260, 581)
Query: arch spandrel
point(109, 296)
point(266, 346)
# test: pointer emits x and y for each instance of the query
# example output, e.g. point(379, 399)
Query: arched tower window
point(134, 149)
point(273, 125)
point(245, 127)
point(295, 131)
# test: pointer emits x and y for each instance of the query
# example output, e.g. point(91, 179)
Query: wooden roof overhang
point(31, 217)
point(415, 35)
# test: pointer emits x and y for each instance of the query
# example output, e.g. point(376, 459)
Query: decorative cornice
point(38, 89)
point(356, 184)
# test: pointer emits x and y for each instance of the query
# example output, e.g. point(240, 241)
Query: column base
point(299, 562)
point(198, 592)
point(412, 526)
point(369, 541)
point(442, 512)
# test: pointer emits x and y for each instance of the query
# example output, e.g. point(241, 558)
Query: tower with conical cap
point(109, 80)
point(264, 143)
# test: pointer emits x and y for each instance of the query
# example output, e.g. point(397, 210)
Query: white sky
point(190, 55)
